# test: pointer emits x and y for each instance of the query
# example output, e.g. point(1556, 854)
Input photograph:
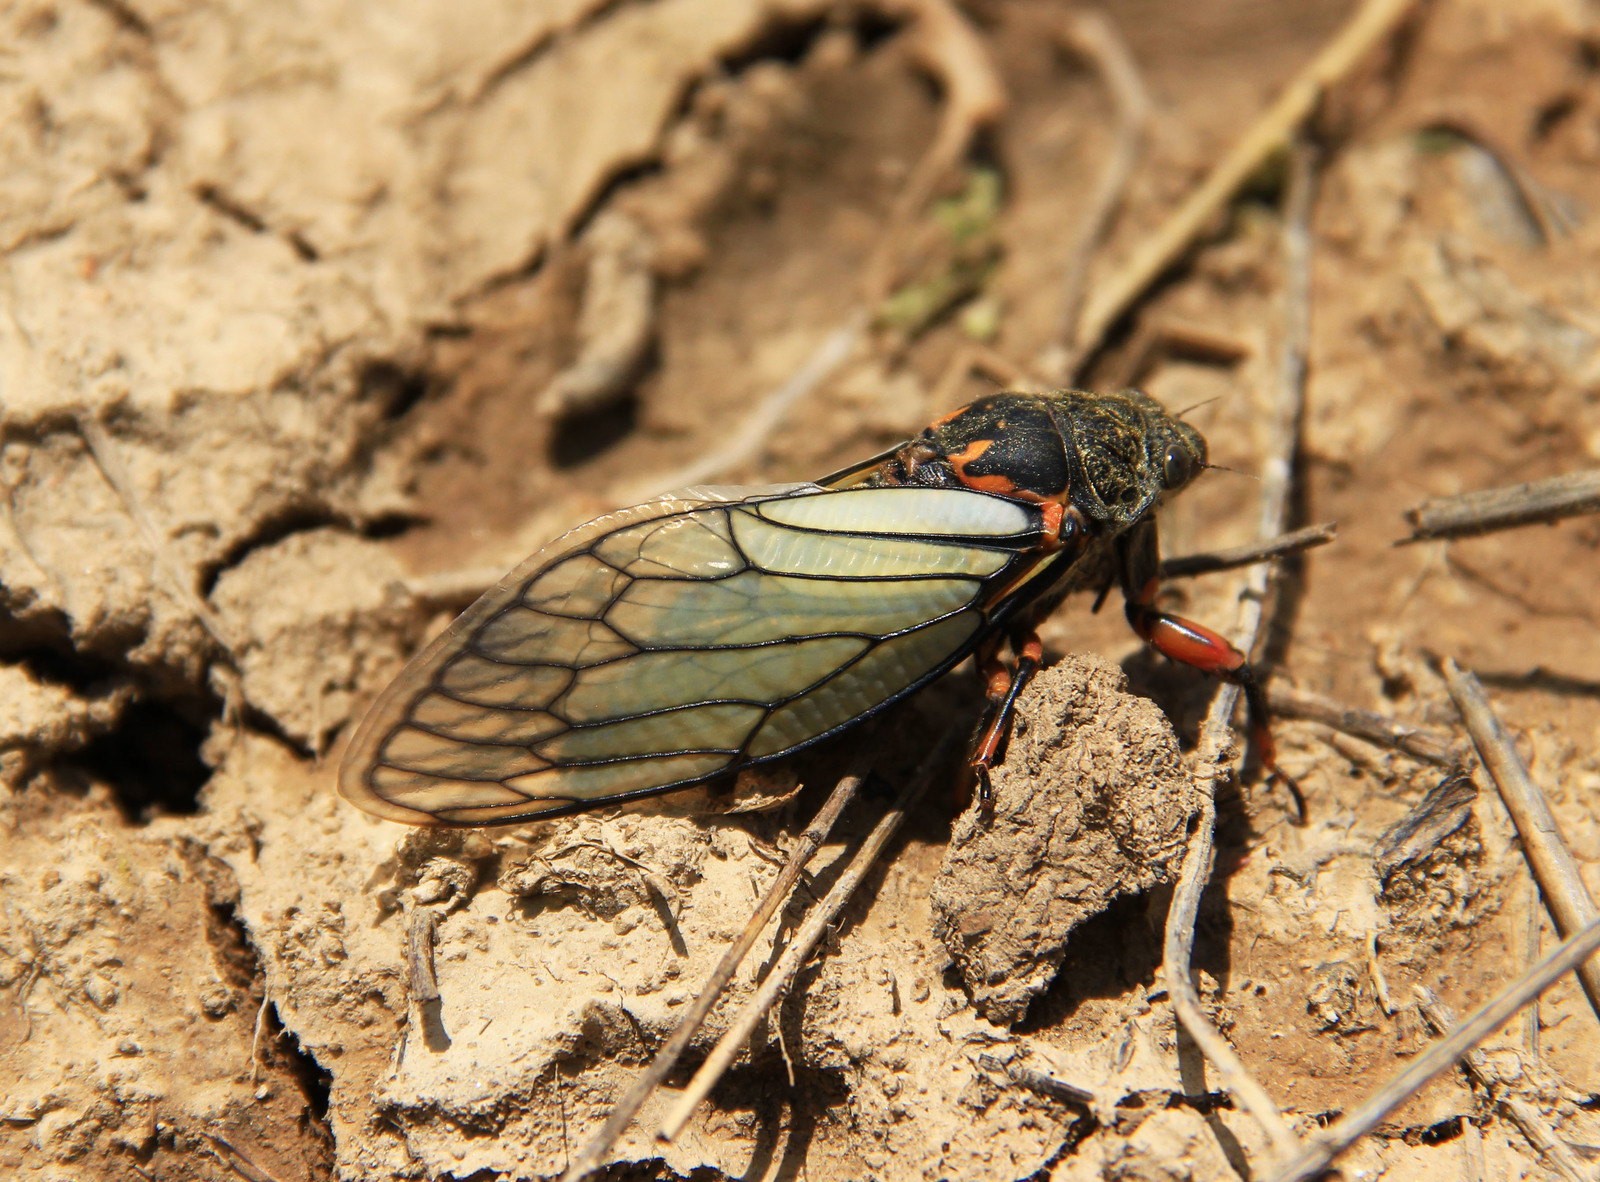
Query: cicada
point(716, 628)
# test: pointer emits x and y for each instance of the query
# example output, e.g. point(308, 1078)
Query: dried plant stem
point(1526, 1118)
point(1433, 747)
point(236, 1161)
point(1376, 20)
point(1361, 1120)
point(1549, 857)
point(1308, 538)
point(972, 357)
point(589, 1157)
point(1178, 945)
point(421, 929)
point(751, 434)
point(947, 45)
point(1539, 502)
point(1043, 1082)
point(1093, 35)
point(804, 944)
point(1215, 743)
point(116, 475)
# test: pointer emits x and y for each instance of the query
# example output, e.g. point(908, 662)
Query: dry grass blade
point(805, 942)
point(1276, 479)
point(116, 475)
point(1433, 747)
point(946, 44)
point(1308, 538)
point(589, 1157)
point(764, 419)
point(1526, 1118)
point(1036, 1080)
point(1549, 856)
point(1092, 35)
point(1357, 1123)
point(1376, 20)
point(1539, 502)
point(1178, 942)
point(236, 1161)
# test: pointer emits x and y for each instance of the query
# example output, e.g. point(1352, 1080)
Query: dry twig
point(1276, 479)
point(805, 941)
point(972, 357)
point(116, 475)
point(1433, 747)
point(752, 433)
point(1540, 502)
point(1569, 901)
point(1032, 1078)
point(589, 1157)
point(421, 927)
point(1165, 337)
point(1308, 538)
point(1093, 36)
point(236, 1161)
point(1360, 1121)
point(1376, 20)
point(946, 44)
point(1526, 1118)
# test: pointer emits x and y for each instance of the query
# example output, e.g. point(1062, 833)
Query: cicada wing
point(662, 645)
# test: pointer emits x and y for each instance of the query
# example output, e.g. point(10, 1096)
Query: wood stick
point(589, 1157)
point(1539, 502)
point(1308, 538)
point(945, 43)
point(1276, 480)
point(1376, 21)
point(1032, 1078)
point(1433, 747)
point(236, 1161)
point(1360, 1121)
point(752, 433)
point(799, 951)
point(1095, 37)
point(1524, 1115)
point(1568, 899)
point(105, 457)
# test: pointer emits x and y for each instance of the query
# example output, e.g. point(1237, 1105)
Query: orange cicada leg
point(1198, 646)
point(1002, 686)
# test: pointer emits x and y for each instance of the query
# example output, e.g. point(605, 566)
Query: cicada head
point(1125, 452)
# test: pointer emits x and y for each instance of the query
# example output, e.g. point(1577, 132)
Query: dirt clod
point(1091, 803)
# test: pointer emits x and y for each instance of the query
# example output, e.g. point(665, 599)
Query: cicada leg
point(1003, 685)
point(1198, 646)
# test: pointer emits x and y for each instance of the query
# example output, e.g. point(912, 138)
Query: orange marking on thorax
point(1003, 485)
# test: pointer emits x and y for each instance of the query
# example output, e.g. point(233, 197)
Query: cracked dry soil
point(284, 290)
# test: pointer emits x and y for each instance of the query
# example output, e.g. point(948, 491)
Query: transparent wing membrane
point(669, 643)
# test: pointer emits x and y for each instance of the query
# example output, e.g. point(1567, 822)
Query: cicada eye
point(1176, 467)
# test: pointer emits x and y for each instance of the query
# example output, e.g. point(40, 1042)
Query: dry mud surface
point(298, 308)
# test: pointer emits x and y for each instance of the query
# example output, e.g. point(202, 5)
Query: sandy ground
point(293, 298)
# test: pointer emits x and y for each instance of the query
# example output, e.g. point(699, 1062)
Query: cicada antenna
point(1197, 405)
point(1235, 471)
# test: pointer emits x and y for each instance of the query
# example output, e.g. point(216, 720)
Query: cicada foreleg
point(1003, 685)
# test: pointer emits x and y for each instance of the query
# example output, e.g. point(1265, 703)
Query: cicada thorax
point(1109, 457)
point(1008, 444)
